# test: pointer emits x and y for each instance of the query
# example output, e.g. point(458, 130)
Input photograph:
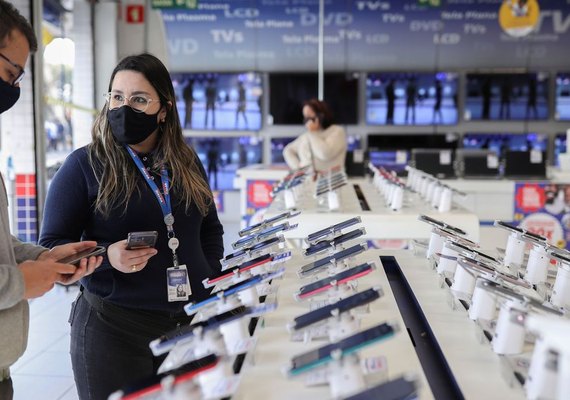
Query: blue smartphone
point(343, 305)
point(317, 357)
point(333, 228)
point(329, 282)
point(262, 235)
point(192, 308)
point(270, 221)
point(167, 341)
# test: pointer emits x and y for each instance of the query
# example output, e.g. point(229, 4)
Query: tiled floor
point(44, 371)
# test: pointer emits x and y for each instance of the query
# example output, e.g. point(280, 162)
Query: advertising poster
point(282, 35)
point(544, 208)
point(257, 200)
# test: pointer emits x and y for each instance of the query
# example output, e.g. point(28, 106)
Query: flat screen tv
point(506, 96)
point(392, 160)
point(562, 96)
point(219, 101)
point(502, 142)
point(403, 141)
point(288, 92)
point(222, 156)
point(411, 98)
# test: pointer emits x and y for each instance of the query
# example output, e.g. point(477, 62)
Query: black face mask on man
point(131, 127)
point(9, 95)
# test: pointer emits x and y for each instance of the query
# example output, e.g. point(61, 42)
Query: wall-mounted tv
point(506, 96)
point(392, 160)
point(412, 98)
point(219, 101)
point(222, 156)
point(501, 142)
point(562, 96)
point(404, 141)
point(288, 92)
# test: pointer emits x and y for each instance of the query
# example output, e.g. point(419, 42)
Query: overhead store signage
point(364, 35)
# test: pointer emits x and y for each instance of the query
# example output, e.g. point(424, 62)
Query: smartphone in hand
point(141, 240)
point(74, 259)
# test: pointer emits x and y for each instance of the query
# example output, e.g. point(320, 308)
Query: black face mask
point(9, 95)
point(130, 127)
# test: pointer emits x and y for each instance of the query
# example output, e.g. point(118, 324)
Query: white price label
point(401, 157)
point(445, 157)
point(358, 156)
point(535, 156)
point(492, 161)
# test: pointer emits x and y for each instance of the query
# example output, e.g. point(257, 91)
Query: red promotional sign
point(135, 13)
point(529, 197)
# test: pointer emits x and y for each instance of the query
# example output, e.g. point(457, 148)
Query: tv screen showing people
point(222, 156)
point(562, 96)
point(289, 91)
point(219, 101)
point(411, 98)
point(501, 142)
point(506, 96)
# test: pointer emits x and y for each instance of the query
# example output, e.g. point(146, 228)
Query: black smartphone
point(325, 244)
point(481, 266)
point(343, 305)
point(327, 189)
point(509, 227)
point(258, 246)
point(228, 273)
point(338, 256)
point(342, 277)
point(74, 259)
point(269, 221)
point(441, 224)
point(348, 345)
point(141, 240)
point(152, 384)
point(333, 228)
point(397, 389)
point(167, 341)
point(261, 235)
point(467, 249)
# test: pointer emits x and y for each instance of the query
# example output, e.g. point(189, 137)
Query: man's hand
point(86, 265)
point(40, 276)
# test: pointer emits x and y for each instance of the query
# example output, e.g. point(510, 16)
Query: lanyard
point(163, 200)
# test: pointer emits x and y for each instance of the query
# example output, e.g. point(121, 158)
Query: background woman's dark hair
point(322, 111)
point(10, 19)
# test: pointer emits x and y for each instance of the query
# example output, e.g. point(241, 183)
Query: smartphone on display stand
point(262, 235)
point(338, 256)
point(396, 389)
point(270, 221)
point(252, 251)
point(141, 240)
point(153, 385)
point(441, 224)
point(332, 229)
point(74, 259)
point(327, 244)
point(322, 355)
point(336, 280)
point(343, 305)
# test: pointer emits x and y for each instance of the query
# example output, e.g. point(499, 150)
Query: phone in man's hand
point(74, 259)
point(141, 240)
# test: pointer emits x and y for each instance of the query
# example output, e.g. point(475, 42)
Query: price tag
point(315, 305)
point(445, 157)
point(373, 365)
point(492, 161)
point(535, 156)
point(317, 378)
point(358, 156)
point(401, 157)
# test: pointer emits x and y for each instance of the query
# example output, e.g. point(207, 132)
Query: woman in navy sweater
point(137, 174)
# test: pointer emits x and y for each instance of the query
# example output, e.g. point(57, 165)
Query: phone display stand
point(345, 375)
point(444, 204)
point(333, 200)
point(552, 338)
point(397, 200)
point(514, 252)
point(561, 290)
point(218, 382)
point(447, 260)
point(509, 336)
point(290, 200)
point(436, 196)
point(342, 325)
point(538, 260)
point(464, 281)
point(483, 305)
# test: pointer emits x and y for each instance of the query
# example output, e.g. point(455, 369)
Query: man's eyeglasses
point(307, 119)
point(16, 76)
point(137, 102)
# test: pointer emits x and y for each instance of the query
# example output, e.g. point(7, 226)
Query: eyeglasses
point(18, 76)
point(307, 119)
point(137, 102)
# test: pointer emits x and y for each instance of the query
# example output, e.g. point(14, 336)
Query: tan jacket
point(328, 149)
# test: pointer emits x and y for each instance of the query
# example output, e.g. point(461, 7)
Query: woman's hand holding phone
point(129, 261)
